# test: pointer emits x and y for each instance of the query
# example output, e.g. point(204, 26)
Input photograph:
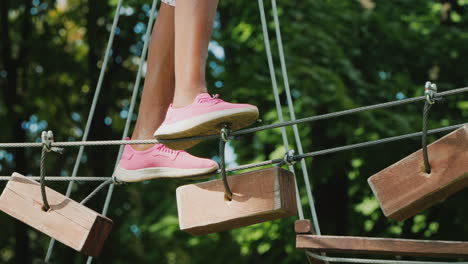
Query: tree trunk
point(13, 103)
point(331, 197)
point(97, 42)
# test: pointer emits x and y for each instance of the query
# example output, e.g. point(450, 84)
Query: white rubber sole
point(162, 173)
point(207, 124)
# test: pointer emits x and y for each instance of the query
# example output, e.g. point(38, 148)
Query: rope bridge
point(289, 159)
point(230, 169)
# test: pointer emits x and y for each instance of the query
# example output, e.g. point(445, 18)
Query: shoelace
point(213, 100)
point(163, 148)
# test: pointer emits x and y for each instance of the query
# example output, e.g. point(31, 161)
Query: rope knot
point(116, 181)
point(430, 91)
point(47, 138)
point(225, 131)
point(288, 158)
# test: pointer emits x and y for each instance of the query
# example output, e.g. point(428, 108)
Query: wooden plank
point(303, 227)
point(67, 221)
point(369, 245)
point(405, 189)
point(258, 196)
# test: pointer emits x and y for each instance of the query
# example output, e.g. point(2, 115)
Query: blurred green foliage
point(340, 54)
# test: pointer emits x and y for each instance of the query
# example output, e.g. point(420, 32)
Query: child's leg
point(193, 28)
point(159, 84)
point(158, 161)
point(194, 112)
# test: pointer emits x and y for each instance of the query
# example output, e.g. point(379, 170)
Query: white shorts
point(169, 2)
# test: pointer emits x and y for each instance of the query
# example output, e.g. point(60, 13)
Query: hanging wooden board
point(258, 196)
point(67, 221)
point(370, 245)
point(405, 189)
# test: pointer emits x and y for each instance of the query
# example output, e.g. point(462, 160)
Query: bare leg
point(193, 28)
point(159, 85)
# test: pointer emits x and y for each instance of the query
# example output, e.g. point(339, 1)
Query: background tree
point(340, 54)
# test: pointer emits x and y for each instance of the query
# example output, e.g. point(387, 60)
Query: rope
point(47, 139)
point(45, 205)
point(288, 159)
point(91, 113)
point(344, 148)
point(237, 133)
point(346, 112)
point(427, 166)
point(431, 98)
point(274, 161)
point(96, 191)
point(373, 261)
point(149, 27)
point(305, 171)
point(222, 166)
point(97, 92)
point(377, 142)
point(277, 101)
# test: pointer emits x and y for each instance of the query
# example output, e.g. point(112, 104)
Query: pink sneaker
point(161, 162)
point(204, 117)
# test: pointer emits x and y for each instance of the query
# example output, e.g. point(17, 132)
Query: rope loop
point(47, 138)
point(430, 91)
point(224, 138)
point(45, 203)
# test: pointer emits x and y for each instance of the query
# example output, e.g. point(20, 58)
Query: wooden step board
point(368, 245)
point(405, 189)
point(258, 196)
point(67, 221)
